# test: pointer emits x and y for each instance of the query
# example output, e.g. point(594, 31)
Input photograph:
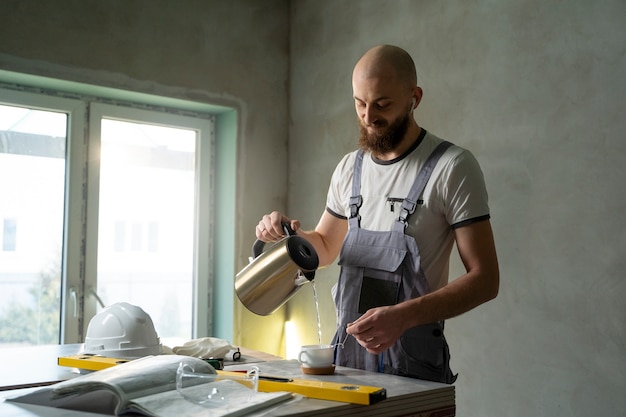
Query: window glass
point(146, 221)
point(32, 181)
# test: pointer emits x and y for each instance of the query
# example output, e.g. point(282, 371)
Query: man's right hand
point(270, 228)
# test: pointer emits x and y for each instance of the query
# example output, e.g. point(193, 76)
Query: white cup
point(317, 356)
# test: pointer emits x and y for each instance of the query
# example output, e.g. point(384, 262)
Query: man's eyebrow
point(375, 100)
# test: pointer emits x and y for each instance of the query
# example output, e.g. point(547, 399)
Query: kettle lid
point(302, 253)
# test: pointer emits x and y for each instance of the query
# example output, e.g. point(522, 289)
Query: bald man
point(394, 209)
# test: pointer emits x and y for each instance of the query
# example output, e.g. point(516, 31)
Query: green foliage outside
point(39, 322)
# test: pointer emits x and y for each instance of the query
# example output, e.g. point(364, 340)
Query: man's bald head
point(387, 62)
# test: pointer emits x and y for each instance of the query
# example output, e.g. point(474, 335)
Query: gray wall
point(536, 90)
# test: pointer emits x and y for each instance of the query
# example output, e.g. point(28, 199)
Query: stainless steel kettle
point(273, 276)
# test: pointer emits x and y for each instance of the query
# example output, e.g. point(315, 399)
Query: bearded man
point(394, 210)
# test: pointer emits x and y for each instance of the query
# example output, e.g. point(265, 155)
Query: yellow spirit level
point(322, 390)
point(90, 362)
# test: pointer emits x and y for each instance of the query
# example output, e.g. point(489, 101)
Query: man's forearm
point(459, 296)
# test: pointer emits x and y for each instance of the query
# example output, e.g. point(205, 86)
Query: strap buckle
point(408, 208)
point(355, 204)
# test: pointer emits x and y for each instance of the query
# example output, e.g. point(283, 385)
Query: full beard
point(387, 140)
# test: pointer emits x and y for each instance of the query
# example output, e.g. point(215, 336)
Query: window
point(101, 210)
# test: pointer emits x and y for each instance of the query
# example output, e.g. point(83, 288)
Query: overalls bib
point(383, 268)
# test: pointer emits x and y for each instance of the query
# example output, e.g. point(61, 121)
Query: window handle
point(96, 296)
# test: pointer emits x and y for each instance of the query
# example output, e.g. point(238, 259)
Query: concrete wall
point(536, 90)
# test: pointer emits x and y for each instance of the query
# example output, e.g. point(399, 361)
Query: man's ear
point(417, 97)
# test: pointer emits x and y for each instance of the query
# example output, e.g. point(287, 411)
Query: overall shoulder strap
point(357, 199)
point(410, 202)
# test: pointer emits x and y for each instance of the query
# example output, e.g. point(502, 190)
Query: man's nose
point(370, 115)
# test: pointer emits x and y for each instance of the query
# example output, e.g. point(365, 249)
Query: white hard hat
point(122, 330)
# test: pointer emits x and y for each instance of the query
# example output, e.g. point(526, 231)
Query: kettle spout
point(304, 277)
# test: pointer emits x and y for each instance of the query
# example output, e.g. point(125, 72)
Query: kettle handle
point(257, 247)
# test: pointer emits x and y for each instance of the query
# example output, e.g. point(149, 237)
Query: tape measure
point(322, 390)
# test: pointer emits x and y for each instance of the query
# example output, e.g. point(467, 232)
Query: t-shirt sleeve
point(464, 191)
point(339, 191)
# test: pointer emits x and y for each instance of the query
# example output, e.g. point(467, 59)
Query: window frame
point(75, 178)
point(205, 144)
point(79, 257)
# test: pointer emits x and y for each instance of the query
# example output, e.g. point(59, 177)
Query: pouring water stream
point(317, 309)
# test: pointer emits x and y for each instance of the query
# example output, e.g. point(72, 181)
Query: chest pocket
point(375, 250)
point(375, 267)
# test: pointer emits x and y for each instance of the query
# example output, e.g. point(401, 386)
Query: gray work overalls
point(383, 268)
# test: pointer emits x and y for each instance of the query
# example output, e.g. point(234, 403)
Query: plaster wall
point(536, 91)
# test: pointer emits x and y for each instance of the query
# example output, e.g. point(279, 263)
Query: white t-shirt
point(454, 196)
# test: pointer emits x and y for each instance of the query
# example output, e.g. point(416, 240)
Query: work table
point(37, 366)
